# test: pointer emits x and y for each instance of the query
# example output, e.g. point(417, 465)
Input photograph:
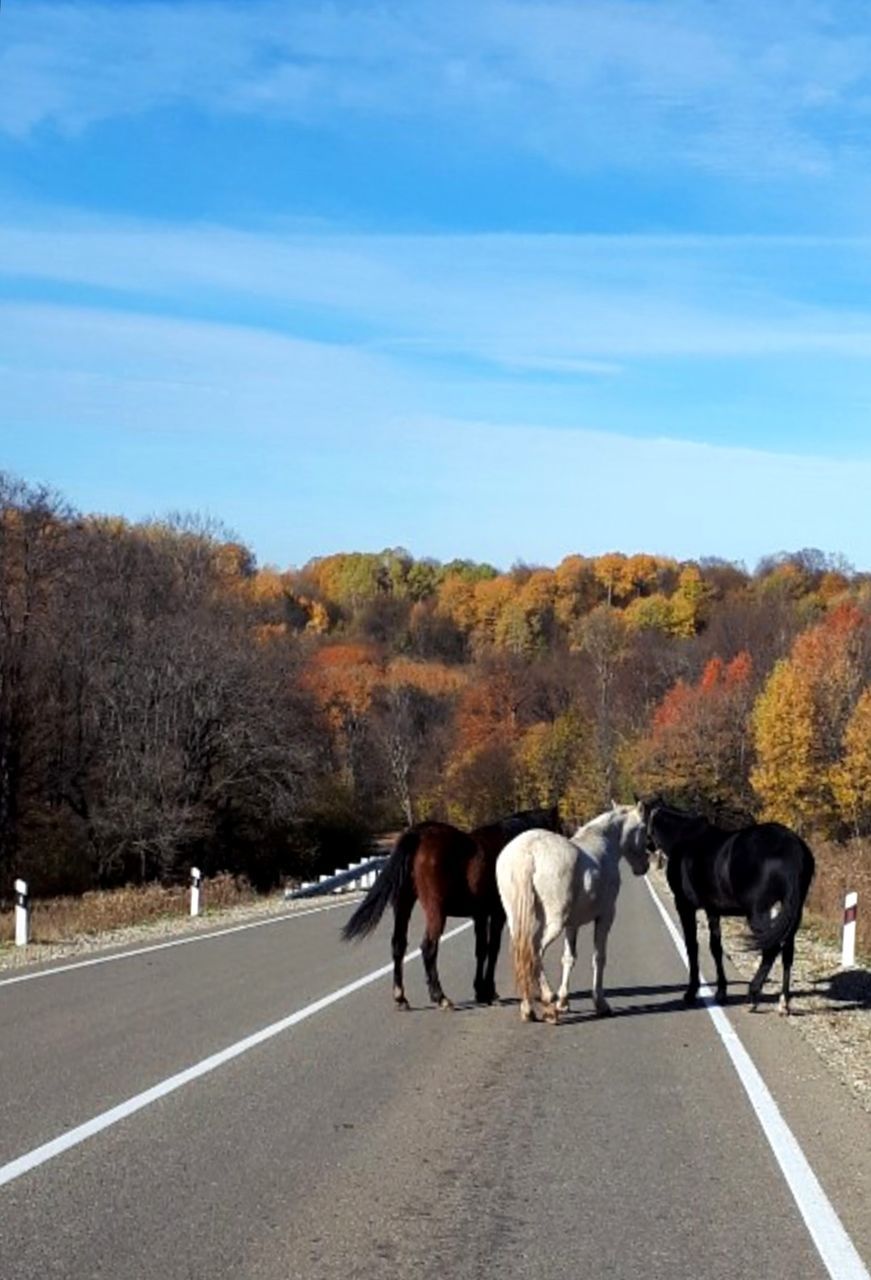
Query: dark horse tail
point(798, 870)
point(392, 879)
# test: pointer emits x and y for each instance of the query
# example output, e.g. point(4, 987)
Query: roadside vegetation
point(165, 702)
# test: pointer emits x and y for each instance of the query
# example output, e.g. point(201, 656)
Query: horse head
point(634, 838)
point(648, 810)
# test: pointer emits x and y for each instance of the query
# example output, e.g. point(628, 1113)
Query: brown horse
point(453, 873)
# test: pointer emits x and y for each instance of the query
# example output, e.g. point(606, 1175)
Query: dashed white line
point(73, 1137)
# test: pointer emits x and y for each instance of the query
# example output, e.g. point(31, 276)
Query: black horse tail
point(388, 887)
point(771, 932)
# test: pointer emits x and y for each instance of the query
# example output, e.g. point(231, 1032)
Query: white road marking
point(40, 1155)
point(836, 1249)
point(163, 946)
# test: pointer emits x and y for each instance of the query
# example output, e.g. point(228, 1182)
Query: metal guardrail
point(340, 880)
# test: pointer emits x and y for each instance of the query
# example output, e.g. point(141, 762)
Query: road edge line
point(834, 1246)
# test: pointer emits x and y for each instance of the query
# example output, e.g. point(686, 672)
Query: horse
point(452, 873)
point(762, 872)
point(550, 884)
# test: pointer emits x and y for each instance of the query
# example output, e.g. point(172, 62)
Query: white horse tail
point(523, 919)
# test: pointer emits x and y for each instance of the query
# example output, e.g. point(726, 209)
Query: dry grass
point(842, 868)
point(54, 920)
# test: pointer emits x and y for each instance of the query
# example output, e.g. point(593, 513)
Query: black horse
point(452, 873)
point(762, 872)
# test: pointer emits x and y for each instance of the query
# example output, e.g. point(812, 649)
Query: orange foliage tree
point(699, 745)
point(343, 679)
point(801, 716)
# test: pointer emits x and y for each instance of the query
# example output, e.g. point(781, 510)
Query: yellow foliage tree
point(548, 756)
point(791, 777)
point(609, 570)
point(851, 776)
point(649, 613)
point(576, 589)
point(456, 600)
point(689, 602)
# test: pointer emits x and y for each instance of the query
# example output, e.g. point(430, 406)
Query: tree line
point(164, 701)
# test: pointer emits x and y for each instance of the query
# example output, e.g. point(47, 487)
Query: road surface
point(353, 1141)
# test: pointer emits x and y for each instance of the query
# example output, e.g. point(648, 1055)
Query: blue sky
point(502, 280)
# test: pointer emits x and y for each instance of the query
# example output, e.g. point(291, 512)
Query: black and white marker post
point(22, 907)
point(848, 945)
point(196, 881)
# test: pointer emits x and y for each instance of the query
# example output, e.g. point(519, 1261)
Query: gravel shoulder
point(831, 1007)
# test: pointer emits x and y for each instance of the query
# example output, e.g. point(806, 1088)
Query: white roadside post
point(848, 946)
point(196, 881)
point(22, 906)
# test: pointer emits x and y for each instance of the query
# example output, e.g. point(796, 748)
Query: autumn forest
point(164, 701)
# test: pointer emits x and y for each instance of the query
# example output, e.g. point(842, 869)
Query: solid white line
point(836, 1249)
point(163, 946)
point(40, 1155)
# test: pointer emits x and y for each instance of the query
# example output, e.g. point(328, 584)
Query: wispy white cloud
point(102, 369)
point(738, 88)
point(563, 304)
point(306, 448)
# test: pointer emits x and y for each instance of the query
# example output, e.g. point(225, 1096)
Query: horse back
point(731, 872)
point(445, 870)
point(492, 838)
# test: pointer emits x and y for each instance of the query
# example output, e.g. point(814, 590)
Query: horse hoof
point(562, 1006)
point(445, 1003)
point(528, 1015)
point(603, 1009)
point(401, 1004)
point(721, 995)
point(551, 1014)
point(783, 1007)
point(690, 997)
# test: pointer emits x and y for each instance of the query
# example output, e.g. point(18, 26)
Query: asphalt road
point(358, 1142)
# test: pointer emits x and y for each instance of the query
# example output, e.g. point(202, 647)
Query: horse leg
point(526, 986)
point(399, 942)
point(717, 953)
point(495, 924)
point(570, 955)
point(435, 925)
point(786, 958)
point(758, 980)
point(687, 914)
point(601, 929)
point(481, 948)
point(550, 1012)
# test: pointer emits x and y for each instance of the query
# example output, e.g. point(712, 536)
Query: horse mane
point(523, 820)
point(689, 818)
point(604, 819)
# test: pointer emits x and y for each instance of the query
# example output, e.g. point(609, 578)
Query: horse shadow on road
point(852, 993)
point(843, 990)
point(582, 1003)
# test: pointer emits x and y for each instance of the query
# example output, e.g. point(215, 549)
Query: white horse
point(549, 884)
